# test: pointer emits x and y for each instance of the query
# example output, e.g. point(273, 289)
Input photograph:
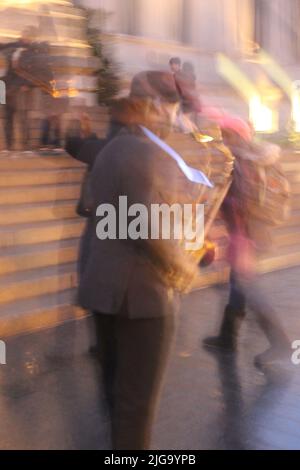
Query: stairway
point(40, 231)
point(98, 116)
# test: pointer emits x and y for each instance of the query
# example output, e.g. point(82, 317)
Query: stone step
point(286, 236)
point(295, 188)
point(290, 167)
point(39, 313)
point(66, 251)
point(294, 176)
point(44, 272)
point(287, 257)
point(37, 212)
point(44, 281)
point(20, 161)
point(295, 202)
point(96, 113)
point(48, 310)
point(288, 155)
point(27, 195)
point(294, 219)
point(100, 129)
point(38, 256)
point(19, 235)
point(40, 177)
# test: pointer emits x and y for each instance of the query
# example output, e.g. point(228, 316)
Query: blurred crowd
point(29, 69)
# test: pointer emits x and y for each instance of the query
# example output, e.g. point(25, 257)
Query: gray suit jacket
point(119, 271)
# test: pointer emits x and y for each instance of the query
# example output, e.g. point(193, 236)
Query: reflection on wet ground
point(50, 397)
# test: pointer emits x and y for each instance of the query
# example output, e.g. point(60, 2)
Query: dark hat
point(175, 60)
point(154, 84)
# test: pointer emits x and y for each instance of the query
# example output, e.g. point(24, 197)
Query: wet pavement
point(51, 396)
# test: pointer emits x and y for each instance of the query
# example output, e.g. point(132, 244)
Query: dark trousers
point(11, 109)
point(51, 134)
point(237, 298)
point(10, 112)
point(249, 293)
point(134, 355)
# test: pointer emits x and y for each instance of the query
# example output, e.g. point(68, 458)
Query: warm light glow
point(292, 89)
point(262, 118)
point(234, 75)
point(26, 3)
point(66, 90)
point(276, 72)
point(203, 138)
point(72, 91)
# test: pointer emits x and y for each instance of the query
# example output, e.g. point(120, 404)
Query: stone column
point(238, 26)
point(116, 20)
point(218, 25)
point(159, 19)
point(203, 24)
point(282, 29)
point(245, 25)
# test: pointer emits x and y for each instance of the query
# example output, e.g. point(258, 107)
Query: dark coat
point(118, 270)
point(11, 78)
point(85, 149)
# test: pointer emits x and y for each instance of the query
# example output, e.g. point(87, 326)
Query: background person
point(245, 240)
point(17, 88)
point(186, 84)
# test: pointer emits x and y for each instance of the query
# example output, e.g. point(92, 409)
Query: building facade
point(146, 33)
point(233, 27)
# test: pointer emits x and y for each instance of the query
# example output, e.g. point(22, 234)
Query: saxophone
point(215, 160)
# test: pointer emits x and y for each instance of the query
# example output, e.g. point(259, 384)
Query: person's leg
point(45, 133)
point(105, 328)
point(28, 98)
point(84, 246)
point(9, 110)
point(56, 132)
point(237, 298)
point(269, 323)
point(233, 316)
point(143, 349)
point(24, 98)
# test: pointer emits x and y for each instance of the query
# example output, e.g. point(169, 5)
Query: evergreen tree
point(108, 82)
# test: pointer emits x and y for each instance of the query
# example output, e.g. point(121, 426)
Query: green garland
point(108, 81)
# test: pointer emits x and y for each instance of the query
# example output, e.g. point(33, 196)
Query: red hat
point(238, 126)
point(232, 123)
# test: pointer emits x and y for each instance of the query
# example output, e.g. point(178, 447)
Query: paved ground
point(50, 401)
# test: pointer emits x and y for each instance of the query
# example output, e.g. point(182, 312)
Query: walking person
point(247, 235)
